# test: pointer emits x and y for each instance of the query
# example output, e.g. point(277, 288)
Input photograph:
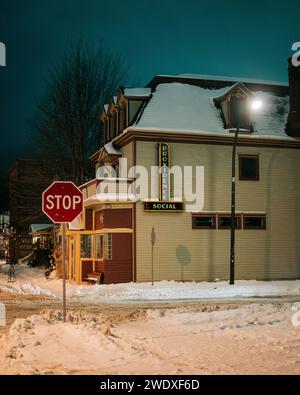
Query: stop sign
point(62, 202)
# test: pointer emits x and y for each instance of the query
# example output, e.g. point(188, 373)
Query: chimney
point(293, 124)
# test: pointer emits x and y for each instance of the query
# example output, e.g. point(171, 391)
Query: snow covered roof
point(228, 79)
point(111, 150)
point(40, 227)
point(188, 108)
point(137, 92)
point(110, 198)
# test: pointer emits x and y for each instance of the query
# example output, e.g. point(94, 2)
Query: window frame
point(107, 247)
point(100, 236)
point(91, 249)
point(248, 156)
point(205, 215)
point(261, 216)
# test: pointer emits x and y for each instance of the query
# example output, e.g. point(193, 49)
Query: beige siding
point(273, 253)
point(89, 190)
point(127, 152)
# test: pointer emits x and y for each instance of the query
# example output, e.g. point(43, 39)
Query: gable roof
point(228, 90)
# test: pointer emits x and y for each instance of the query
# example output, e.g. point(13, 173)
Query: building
point(27, 180)
point(190, 120)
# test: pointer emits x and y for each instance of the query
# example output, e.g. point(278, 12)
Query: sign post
point(63, 259)
point(62, 202)
point(153, 237)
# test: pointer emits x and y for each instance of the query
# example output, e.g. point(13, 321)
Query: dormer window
point(234, 106)
point(124, 116)
point(111, 127)
point(239, 112)
point(115, 116)
point(106, 130)
point(120, 120)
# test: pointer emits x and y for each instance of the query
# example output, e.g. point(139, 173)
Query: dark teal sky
point(234, 38)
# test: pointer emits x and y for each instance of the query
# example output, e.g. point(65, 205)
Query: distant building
point(27, 180)
point(4, 234)
point(191, 120)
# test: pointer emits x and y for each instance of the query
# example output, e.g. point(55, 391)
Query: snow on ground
point(256, 338)
point(33, 281)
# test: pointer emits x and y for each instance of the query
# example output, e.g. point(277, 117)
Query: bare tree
point(66, 127)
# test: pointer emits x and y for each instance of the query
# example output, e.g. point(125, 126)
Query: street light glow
point(256, 104)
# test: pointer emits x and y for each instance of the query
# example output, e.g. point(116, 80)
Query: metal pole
point(63, 246)
point(153, 237)
point(232, 233)
point(152, 271)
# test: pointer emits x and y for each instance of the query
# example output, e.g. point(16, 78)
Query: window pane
point(254, 222)
point(108, 246)
point(239, 113)
point(86, 244)
point(225, 222)
point(249, 168)
point(99, 247)
point(204, 222)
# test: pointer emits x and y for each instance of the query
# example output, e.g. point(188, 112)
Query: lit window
point(204, 221)
point(99, 247)
point(108, 246)
point(86, 246)
point(254, 221)
point(249, 167)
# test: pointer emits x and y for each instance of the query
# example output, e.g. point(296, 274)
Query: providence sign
point(164, 203)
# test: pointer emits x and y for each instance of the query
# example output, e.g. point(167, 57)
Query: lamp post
point(255, 105)
point(232, 232)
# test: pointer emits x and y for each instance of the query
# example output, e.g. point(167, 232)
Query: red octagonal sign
point(62, 202)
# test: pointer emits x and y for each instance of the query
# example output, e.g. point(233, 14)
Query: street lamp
point(255, 105)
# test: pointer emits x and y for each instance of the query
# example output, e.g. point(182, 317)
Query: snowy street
point(201, 338)
point(123, 328)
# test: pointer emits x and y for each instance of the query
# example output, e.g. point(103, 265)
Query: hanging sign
point(164, 169)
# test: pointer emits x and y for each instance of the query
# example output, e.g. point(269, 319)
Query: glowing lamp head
point(256, 104)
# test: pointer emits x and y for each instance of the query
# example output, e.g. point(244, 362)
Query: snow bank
point(256, 338)
point(33, 281)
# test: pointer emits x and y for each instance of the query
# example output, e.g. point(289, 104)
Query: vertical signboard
point(164, 167)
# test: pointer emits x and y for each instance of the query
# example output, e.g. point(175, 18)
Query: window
point(124, 116)
point(99, 247)
point(204, 221)
point(224, 221)
point(111, 128)
point(86, 246)
point(254, 221)
point(115, 123)
point(248, 167)
point(106, 130)
point(239, 115)
point(108, 246)
point(120, 120)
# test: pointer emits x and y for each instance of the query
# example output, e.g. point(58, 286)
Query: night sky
point(234, 38)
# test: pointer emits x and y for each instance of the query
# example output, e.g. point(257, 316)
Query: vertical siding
point(127, 152)
point(273, 253)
